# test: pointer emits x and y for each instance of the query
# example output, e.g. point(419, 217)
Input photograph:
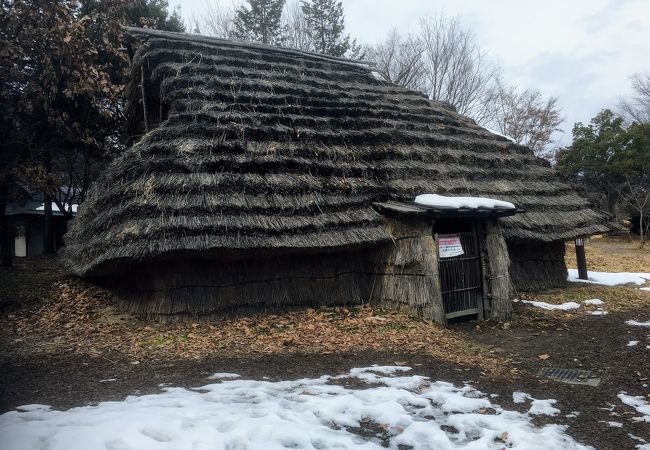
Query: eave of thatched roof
point(255, 147)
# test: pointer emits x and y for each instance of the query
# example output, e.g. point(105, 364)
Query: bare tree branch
point(399, 60)
point(637, 108)
point(443, 60)
point(527, 117)
point(217, 19)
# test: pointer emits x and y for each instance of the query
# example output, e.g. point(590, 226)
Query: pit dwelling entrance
point(453, 250)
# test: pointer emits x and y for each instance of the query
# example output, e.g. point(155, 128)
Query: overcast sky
point(582, 51)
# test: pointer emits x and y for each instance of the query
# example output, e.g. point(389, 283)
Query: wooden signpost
point(581, 259)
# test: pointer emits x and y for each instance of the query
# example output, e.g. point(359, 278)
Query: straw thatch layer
point(192, 288)
point(498, 277)
point(536, 265)
point(407, 270)
point(248, 147)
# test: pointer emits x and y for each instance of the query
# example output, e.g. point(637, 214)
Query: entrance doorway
point(459, 262)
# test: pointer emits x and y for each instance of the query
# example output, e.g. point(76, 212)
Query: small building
point(26, 221)
point(269, 178)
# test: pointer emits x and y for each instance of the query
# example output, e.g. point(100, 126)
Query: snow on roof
point(37, 208)
point(55, 208)
point(440, 201)
point(500, 134)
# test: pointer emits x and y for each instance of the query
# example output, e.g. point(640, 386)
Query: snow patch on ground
point(639, 403)
point(643, 446)
point(613, 424)
point(610, 278)
point(543, 408)
point(599, 312)
point(645, 288)
point(537, 407)
point(632, 343)
point(222, 376)
point(594, 301)
point(636, 323)
point(520, 397)
point(549, 306)
point(307, 413)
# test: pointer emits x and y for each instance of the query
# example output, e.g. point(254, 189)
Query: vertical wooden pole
point(160, 97)
point(144, 101)
point(49, 245)
point(581, 259)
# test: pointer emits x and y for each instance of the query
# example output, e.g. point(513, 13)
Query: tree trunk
point(5, 232)
point(641, 230)
point(611, 203)
point(49, 246)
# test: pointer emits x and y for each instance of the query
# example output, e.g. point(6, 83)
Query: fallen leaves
point(73, 318)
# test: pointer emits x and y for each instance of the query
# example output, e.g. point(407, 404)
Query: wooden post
point(144, 101)
point(581, 259)
point(499, 267)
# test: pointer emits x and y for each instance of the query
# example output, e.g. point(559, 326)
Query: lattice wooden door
point(460, 273)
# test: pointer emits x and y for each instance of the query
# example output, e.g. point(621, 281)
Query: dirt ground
point(62, 339)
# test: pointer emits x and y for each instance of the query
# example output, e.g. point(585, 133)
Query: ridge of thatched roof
point(255, 148)
point(240, 44)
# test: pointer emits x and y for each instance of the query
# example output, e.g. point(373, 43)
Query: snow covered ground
point(389, 407)
point(636, 323)
point(566, 306)
point(639, 403)
point(550, 306)
point(610, 278)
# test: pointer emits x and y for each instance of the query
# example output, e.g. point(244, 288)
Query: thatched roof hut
point(265, 156)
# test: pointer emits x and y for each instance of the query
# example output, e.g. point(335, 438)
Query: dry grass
point(607, 254)
point(616, 298)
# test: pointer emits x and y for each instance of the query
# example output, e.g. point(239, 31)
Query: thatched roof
point(251, 147)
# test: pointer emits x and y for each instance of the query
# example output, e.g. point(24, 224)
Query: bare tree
point(457, 71)
point(398, 59)
point(217, 19)
point(637, 108)
point(635, 194)
point(297, 29)
point(443, 60)
point(527, 117)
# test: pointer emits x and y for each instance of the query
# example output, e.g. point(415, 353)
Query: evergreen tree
point(261, 21)
point(613, 161)
point(140, 13)
point(154, 14)
point(325, 26)
point(589, 160)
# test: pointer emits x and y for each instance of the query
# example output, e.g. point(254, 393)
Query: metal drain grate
point(571, 376)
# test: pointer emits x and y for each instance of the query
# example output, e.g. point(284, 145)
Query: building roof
point(256, 147)
point(35, 208)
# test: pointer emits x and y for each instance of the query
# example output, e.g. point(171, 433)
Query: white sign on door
point(449, 245)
